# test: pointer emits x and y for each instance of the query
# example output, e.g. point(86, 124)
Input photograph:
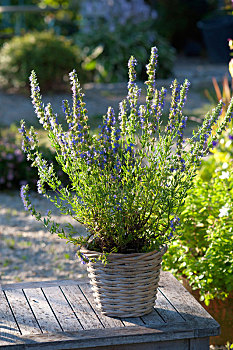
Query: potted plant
point(127, 184)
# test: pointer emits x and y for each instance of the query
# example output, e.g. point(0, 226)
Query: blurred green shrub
point(221, 156)
point(51, 56)
point(110, 32)
point(14, 167)
point(204, 252)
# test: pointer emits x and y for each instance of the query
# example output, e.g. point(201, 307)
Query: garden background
point(97, 38)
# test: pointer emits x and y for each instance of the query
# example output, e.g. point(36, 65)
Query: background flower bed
point(206, 241)
point(14, 168)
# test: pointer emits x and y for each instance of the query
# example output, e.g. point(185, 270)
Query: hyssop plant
point(127, 183)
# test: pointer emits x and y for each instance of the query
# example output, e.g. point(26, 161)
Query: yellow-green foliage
point(50, 55)
point(204, 251)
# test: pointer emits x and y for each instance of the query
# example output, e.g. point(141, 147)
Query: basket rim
point(162, 251)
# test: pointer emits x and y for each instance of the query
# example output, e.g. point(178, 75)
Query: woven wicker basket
point(127, 285)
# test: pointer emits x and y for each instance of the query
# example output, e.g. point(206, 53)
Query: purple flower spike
point(214, 143)
point(24, 195)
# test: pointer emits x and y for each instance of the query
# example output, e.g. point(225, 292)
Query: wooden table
point(62, 315)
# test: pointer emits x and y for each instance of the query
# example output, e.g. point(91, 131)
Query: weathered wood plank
point(42, 284)
point(187, 306)
point(166, 309)
point(171, 345)
point(9, 331)
point(42, 310)
point(107, 322)
point(80, 306)
point(199, 344)
point(105, 337)
point(62, 309)
point(22, 312)
point(153, 318)
point(132, 321)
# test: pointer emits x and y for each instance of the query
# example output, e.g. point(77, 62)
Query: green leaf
point(89, 65)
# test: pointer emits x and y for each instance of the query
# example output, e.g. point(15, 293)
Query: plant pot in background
point(221, 311)
point(216, 32)
point(127, 285)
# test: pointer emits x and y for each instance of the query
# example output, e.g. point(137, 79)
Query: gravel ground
point(27, 251)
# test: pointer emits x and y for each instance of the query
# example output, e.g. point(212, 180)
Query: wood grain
point(42, 284)
point(187, 306)
point(81, 307)
point(132, 321)
point(42, 311)
point(199, 344)
point(9, 331)
point(62, 310)
point(105, 337)
point(166, 310)
point(153, 319)
point(22, 312)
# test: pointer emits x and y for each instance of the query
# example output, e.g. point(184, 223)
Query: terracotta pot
point(221, 311)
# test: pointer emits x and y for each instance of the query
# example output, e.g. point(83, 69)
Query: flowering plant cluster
point(14, 168)
point(112, 12)
point(127, 183)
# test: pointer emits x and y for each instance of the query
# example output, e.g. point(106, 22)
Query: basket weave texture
point(127, 285)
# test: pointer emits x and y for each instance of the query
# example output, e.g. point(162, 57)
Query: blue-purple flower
point(25, 197)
